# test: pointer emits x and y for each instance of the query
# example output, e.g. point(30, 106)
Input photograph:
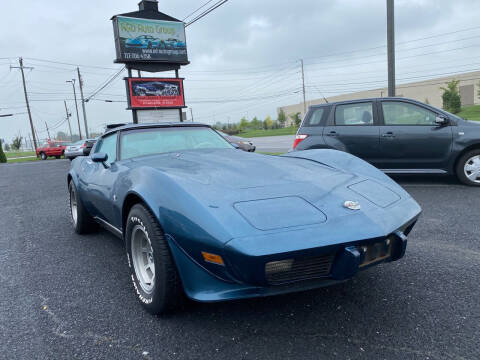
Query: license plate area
point(375, 252)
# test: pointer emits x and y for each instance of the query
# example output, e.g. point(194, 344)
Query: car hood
point(269, 192)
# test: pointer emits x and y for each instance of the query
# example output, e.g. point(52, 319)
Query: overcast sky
point(244, 55)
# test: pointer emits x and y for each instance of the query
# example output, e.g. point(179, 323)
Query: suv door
point(353, 127)
point(410, 139)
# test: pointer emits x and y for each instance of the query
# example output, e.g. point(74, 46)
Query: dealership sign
point(152, 93)
point(146, 40)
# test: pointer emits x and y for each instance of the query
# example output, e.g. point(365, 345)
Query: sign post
point(151, 41)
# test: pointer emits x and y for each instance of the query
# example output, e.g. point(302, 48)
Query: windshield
point(163, 140)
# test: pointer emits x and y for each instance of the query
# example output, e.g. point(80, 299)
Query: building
point(426, 91)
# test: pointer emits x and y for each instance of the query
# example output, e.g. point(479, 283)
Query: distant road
point(281, 143)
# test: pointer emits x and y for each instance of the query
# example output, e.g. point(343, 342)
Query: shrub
point(3, 158)
point(451, 97)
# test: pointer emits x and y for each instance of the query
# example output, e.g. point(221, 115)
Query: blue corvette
point(198, 217)
point(143, 42)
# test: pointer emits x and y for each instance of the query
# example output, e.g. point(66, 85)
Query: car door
point(410, 139)
point(353, 127)
point(99, 178)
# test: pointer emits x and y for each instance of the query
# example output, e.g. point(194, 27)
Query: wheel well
point(130, 201)
point(464, 151)
point(69, 178)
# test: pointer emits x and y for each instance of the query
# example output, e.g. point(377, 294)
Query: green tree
point(256, 124)
point(451, 97)
point(7, 147)
point(16, 143)
point(296, 118)
point(244, 124)
point(3, 158)
point(282, 118)
point(268, 123)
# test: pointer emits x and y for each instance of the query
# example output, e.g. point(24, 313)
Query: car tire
point(158, 287)
point(468, 164)
point(82, 222)
point(43, 156)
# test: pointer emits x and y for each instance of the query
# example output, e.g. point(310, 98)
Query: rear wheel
point(153, 271)
point(43, 156)
point(81, 219)
point(468, 168)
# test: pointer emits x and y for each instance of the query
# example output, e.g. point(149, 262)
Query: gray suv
point(397, 135)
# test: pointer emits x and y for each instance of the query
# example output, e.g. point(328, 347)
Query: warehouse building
point(426, 91)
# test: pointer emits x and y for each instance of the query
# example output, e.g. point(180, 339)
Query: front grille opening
point(294, 270)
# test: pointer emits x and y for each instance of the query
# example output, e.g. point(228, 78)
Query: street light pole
point(68, 119)
point(76, 106)
point(391, 47)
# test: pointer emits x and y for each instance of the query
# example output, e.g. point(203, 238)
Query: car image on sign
point(155, 89)
point(143, 42)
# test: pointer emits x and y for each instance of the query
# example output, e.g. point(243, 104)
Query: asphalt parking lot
point(65, 296)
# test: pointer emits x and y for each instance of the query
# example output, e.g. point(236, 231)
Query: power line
point(206, 12)
point(193, 12)
point(108, 82)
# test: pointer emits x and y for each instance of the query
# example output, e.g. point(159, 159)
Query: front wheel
point(81, 219)
point(153, 272)
point(43, 156)
point(468, 168)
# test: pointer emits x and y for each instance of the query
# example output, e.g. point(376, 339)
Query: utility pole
point(21, 67)
point(48, 132)
point(68, 119)
point(303, 86)
point(76, 106)
point(391, 47)
point(80, 81)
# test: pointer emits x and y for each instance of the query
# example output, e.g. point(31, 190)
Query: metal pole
point(179, 110)
point(68, 119)
point(391, 47)
point(20, 60)
point(191, 113)
point(48, 132)
point(80, 81)
point(76, 106)
point(303, 86)
point(134, 111)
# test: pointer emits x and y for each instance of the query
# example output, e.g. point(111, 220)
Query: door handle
point(389, 134)
point(332, 133)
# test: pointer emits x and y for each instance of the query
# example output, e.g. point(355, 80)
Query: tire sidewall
point(461, 166)
point(154, 301)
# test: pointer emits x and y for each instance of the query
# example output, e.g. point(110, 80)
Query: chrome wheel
point(472, 169)
point(142, 258)
point(73, 206)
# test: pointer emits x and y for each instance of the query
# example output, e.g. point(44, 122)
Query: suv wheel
point(153, 271)
point(43, 156)
point(468, 168)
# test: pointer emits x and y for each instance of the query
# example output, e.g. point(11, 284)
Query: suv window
point(354, 114)
point(108, 145)
point(403, 113)
point(316, 117)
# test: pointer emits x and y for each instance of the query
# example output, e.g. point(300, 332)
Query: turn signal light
point(298, 139)
point(212, 258)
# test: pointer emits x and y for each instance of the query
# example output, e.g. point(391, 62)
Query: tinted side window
point(354, 114)
point(108, 145)
point(316, 117)
point(402, 113)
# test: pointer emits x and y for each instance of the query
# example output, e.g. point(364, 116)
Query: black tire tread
point(85, 223)
point(172, 287)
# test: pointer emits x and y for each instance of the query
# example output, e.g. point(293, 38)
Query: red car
point(52, 148)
